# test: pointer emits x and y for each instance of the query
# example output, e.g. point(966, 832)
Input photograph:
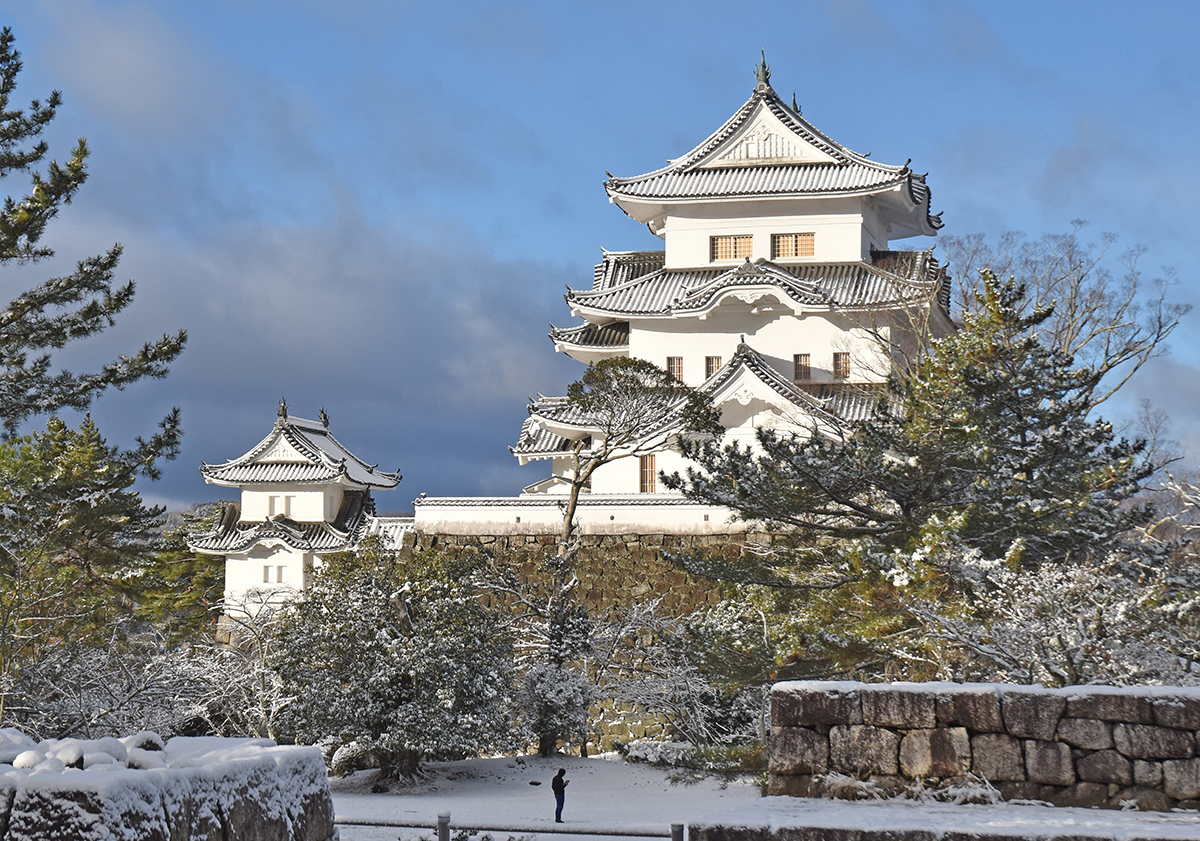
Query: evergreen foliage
point(400, 657)
point(986, 448)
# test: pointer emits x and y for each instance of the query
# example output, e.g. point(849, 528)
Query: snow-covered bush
point(398, 656)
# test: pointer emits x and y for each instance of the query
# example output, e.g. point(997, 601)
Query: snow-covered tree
point(398, 656)
point(987, 442)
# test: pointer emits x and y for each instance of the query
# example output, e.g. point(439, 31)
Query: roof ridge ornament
point(763, 72)
point(324, 418)
point(283, 408)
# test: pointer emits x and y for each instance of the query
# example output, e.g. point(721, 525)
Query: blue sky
point(373, 207)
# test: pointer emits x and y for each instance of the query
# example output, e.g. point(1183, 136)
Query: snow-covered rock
point(187, 788)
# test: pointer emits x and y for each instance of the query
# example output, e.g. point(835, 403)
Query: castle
point(777, 294)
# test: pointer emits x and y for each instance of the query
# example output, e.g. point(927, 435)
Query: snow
point(607, 793)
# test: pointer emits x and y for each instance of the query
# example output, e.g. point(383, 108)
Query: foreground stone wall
point(205, 788)
point(1080, 746)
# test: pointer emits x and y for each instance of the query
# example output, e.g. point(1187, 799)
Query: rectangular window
point(675, 367)
point(267, 574)
point(287, 505)
point(272, 504)
point(711, 364)
point(784, 246)
point(841, 366)
point(802, 366)
point(648, 475)
point(734, 247)
point(278, 575)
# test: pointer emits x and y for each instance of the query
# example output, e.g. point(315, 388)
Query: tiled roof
point(834, 403)
point(698, 175)
point(606, 337)
point(896, 278)
point(355, 520)
point(620, 266)
point(322, 460)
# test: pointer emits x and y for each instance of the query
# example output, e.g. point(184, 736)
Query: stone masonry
point(1079, 746)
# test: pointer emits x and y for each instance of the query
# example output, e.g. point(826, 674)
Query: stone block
point(1146, 799)
point(1087, 733)
point(725, 832)
point(997, 758)
point(795, 750)
point(1019, 790)
point(815, 833)
point(1143, 741)
point(1105, 766)
point(1049, 763)
point(807, 707)
point(1031, 714)
point(794, 785)
point(1111, 706)
point(1147, 773)
point(899, 707)
point(1181, 713)
point(1084, 795)
point(898, 835)
point(976, 711)
point(862, 749)
point(944, 752)
point(1181, 778)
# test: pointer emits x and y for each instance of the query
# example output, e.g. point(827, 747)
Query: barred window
point(675, 367)
point(649, 475)
point(733, 247)
point(267, 574)
point(792, 245)
point(802, 366)
point(278, 575)
point(841, 366)
point(711, 364)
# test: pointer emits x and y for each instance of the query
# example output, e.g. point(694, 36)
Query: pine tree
point(987, 447)
point(82, 303)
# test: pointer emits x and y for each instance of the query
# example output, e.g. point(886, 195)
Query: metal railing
point(442, 826)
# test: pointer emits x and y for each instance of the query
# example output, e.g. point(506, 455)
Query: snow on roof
point(768, 150)
point(298, 451)
point(894, 279)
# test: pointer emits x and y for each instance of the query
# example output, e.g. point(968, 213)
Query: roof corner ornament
point(796, 107)
point(324, 418)
point(763, 72)
point(283, 408)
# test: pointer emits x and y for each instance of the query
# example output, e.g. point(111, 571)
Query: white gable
point(282, 452)
point(765, 140)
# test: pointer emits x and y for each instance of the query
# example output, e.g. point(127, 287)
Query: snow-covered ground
point(604, 793)
point(607, 793)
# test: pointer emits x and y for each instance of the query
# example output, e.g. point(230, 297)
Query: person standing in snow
point(559, 784)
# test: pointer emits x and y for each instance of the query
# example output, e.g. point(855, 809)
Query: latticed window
point(267, 574)
point(711, 364)
point(802, 366)
point(841, 366)
point(733, 247)
point(649, 475)
point(792, 245)
point(675, 367)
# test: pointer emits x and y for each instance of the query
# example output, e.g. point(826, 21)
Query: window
point(711, 364)
point(802, 366)
point(731, 247)
point(267, 574)
point(675, 367)
point(841, 366)
point(792, 245)
point(278, 575)
point(648, 475)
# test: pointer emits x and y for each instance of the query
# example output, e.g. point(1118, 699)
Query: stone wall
point(1079, 746)
point(615, 570)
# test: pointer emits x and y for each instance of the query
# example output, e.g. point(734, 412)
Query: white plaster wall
point(244, 573)
point(300, 502)
point(535, 515)
point(624, 475)
point(774, 335)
